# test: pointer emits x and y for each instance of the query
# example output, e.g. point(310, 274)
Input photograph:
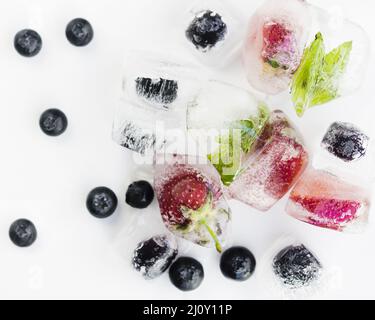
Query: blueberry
point(28, 43)
point(140, 195)
point(237, 263)
point(161, 91)
point(101, 202)
point(206, 30)
point(79, 32)
point(296, 267)
point(23, 233)
point(53, 122)
point(345, 141)
point(154, 256)
point(186, 274)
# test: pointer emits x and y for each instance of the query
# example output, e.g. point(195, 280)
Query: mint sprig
point(318, 77)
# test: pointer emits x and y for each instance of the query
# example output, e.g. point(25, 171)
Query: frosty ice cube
point(272, 169)
point(345, 141)
point(191, 200)
point(155, 96)
point(277, 35)
point(142, 129)
point(319, 55)
point(154, 81)
point(153, 256)
point(328, 201)
point(212, 32)
point(227, 121)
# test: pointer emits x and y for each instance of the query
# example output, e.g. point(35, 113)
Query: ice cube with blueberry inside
point(155, 95)
point(212, 32)
point(295, 267)
point(153, 256)
point(191, 199)
point(226, 121)
point(273, 167)
point(325, 200)
point(345, 141)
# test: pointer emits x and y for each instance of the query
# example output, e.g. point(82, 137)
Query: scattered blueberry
point(28, 43)
point(101, 202)
point(53, 122)
point(186, 274)
point(79, 32)
point(345, 141)
point(161, 91)
point(206, 30)
point(237, 263)
point(154, 256)
point(23, 233)
point(140, 195)
point(296, 267)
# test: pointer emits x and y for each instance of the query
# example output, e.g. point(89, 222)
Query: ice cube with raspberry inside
point(328, 201)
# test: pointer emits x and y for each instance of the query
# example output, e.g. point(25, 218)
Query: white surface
point(47, 180)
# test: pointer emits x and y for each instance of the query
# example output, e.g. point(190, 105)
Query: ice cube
point(191, 199)
point(153, 257)
point(328, 201)
point(345, 141)
point(272, 169)
point(152, 80)
point(143, 129)
point(154, 100)
point(290, 270)
point(212, 32)
point(226, 121)
point(277, 35)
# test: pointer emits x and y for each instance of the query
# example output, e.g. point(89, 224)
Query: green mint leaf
point(307, 75)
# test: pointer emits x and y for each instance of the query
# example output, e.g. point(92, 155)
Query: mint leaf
point(318, 77)
point(307, 75)
point(240, 139)
point(334, 67)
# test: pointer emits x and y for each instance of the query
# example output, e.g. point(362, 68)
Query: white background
point(47, 179)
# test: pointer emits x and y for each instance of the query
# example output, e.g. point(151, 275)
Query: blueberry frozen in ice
point(326, 200)
point(23, 233)
point(140, 194)
point(186, 274)
point(28, 43)
point(206, 30)
point(101, 202)
point(160, 90)
point(79, 32)
point(345, 141)
point(53, 122)
point(296, 267)
point(154, 256)
point(237, 263)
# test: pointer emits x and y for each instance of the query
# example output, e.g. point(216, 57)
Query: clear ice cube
point(212, 31)
point(345, 141)
point(275, 165)
point(226, 121)
point(191, 199)
point(154, 99)
point(153, 256)
point(325, 200)
point(277, 35)
point(290, 270)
